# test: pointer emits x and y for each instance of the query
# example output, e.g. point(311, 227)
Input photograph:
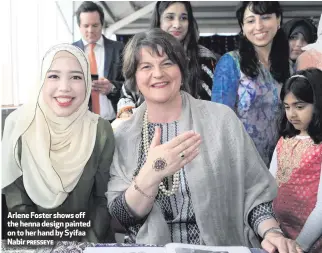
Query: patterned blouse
point(178, 208)
point(297, 167)
point(255, 101)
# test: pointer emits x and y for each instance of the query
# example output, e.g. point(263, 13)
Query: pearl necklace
point(175, 177)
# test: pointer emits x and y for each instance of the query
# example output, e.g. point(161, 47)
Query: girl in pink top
point(297, 159)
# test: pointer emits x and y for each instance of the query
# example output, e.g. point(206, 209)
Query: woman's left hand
point(275, 242)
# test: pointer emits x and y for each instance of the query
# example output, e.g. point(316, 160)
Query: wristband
point(273, 230)
point(136, 187)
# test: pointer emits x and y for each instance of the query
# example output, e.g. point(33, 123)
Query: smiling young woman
point(58, 153)
point(64, 85)
point(249, 79)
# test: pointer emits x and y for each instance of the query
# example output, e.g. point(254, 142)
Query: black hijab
point(303, 26)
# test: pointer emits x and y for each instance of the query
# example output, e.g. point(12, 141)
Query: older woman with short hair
point(185, 170)
point(177, 19)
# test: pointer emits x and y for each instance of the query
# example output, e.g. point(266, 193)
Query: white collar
point(100, 42)
point(302, 137)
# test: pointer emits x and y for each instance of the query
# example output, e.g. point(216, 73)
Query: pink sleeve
point(309, 59)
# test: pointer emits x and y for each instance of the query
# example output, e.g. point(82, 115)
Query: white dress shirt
point(106, 107)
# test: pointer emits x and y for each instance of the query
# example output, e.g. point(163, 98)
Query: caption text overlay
point(44, 228)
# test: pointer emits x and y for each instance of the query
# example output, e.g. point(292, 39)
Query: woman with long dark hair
point(249, 80)
point(176, 18)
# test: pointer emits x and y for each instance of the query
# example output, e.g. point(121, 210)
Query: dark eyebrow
point(145, 62)
point(55, 71)
point(172, 13)
point(295, 103)
point(76, 72)
point(166, 59)
point(251, 16)
point(72, 72)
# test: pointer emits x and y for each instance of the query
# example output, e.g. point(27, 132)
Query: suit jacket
point(112, 67)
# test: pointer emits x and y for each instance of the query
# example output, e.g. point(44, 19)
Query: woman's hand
point(125, 115)
point(165, 159)
point(103, 86)
point(275, 242)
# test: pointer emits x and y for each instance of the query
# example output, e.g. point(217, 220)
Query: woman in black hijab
point(299, 32)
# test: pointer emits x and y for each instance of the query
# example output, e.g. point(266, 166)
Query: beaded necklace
point(175, 177)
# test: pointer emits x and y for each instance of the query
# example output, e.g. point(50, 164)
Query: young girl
point(58, 153)
point(297, 159)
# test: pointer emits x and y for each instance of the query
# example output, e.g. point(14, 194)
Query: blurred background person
point(300, 32)
point(312, 56)
point(105, 59)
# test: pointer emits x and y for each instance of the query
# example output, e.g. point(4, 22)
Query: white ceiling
point(130, 17)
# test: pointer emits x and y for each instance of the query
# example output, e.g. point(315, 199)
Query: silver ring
point(182, 155)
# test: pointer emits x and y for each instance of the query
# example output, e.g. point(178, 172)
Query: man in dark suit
point(90, 19)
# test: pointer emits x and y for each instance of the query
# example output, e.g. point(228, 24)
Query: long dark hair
point(190, 42)
point(305, 86)
point(279, 55)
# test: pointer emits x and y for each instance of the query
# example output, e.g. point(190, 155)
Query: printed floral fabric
point(255, 101)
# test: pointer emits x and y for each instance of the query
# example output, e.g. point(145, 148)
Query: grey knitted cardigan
point(227, 179)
